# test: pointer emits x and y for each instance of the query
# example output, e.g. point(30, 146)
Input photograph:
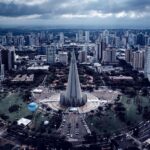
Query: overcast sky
point(76, 12)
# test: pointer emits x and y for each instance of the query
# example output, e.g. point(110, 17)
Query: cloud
point(25, 2)
point(75, 9)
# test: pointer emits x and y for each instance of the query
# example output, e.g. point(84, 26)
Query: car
point(69, 125)
point(77, 125)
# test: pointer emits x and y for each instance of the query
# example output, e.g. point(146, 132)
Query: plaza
point(73, 96)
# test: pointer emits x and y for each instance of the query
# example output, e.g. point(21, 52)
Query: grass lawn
point(110, 123)
point(16, 98)
point(9, 100)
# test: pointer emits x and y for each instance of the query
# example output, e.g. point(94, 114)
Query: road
point(44, 80)
point(73, 126)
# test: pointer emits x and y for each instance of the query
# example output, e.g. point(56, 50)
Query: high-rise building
point(148, 43)
point(50, 53)
point(77, 37)
point(7, 57)
point(2, 73)
point(29, 40)
point(36, 41)
point(124, 42)
point(87, 36)
point(42, 36)
point(50, 36)
point(9, 37)
point(109, 56)
point(11, 57)
point(147, 63)
point(132, 39)
point(128, 55)
point(140, 39)
point(3, 40)
point(63, 58)
point(99, 51)
point(21, 40)
point(81, 37)
point(82, 57)
point(146, 39)
point(117, 41)
point(100, 47)
point(105, 33)
point(42, 50)
point(138, 60)
point(61, 39)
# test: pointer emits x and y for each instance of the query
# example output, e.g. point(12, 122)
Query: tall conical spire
point(73, 96)
point(73, 88)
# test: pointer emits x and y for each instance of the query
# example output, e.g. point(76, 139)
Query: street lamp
point(55, 126)
point(91, 125)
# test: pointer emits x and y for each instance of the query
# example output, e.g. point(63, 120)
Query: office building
point(87, 36)
point(138, 60)
point(109, 56)
point(2, 73)
point(128, 55)
point(147, 63)
point(7, 57)
point(82, 57)
point(81, 37)
point(63, 58)
point(61, 38)
point(50, 53)
point(140, 39)
point(99, 51)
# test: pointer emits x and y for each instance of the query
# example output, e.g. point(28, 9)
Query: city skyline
point(95, 13)
point(75, 74)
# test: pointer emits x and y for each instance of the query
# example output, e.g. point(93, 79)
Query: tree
point(132, 148)
point(139, 109)
point(136, 132)
point(14, 108)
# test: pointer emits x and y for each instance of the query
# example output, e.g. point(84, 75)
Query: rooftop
point(24, 121)
point(121, 77)
point(38, 68)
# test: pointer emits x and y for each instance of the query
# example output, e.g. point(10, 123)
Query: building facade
point(50, 53)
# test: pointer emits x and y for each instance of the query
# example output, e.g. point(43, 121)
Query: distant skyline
point(96, 13)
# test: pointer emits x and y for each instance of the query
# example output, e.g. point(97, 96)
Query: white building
point(109, 56)
point(147, 63)
point(77, 37)
point(62, 39)
point(81, 37)
point(82, 57)
point(63, 57)
point(87, 36)
point(138, 60)
point(3, 40)
point(2, 73)
point(98, 67)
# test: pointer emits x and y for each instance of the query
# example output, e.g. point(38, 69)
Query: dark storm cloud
point(13, 10)
point(115, 6)
point(53, 8)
